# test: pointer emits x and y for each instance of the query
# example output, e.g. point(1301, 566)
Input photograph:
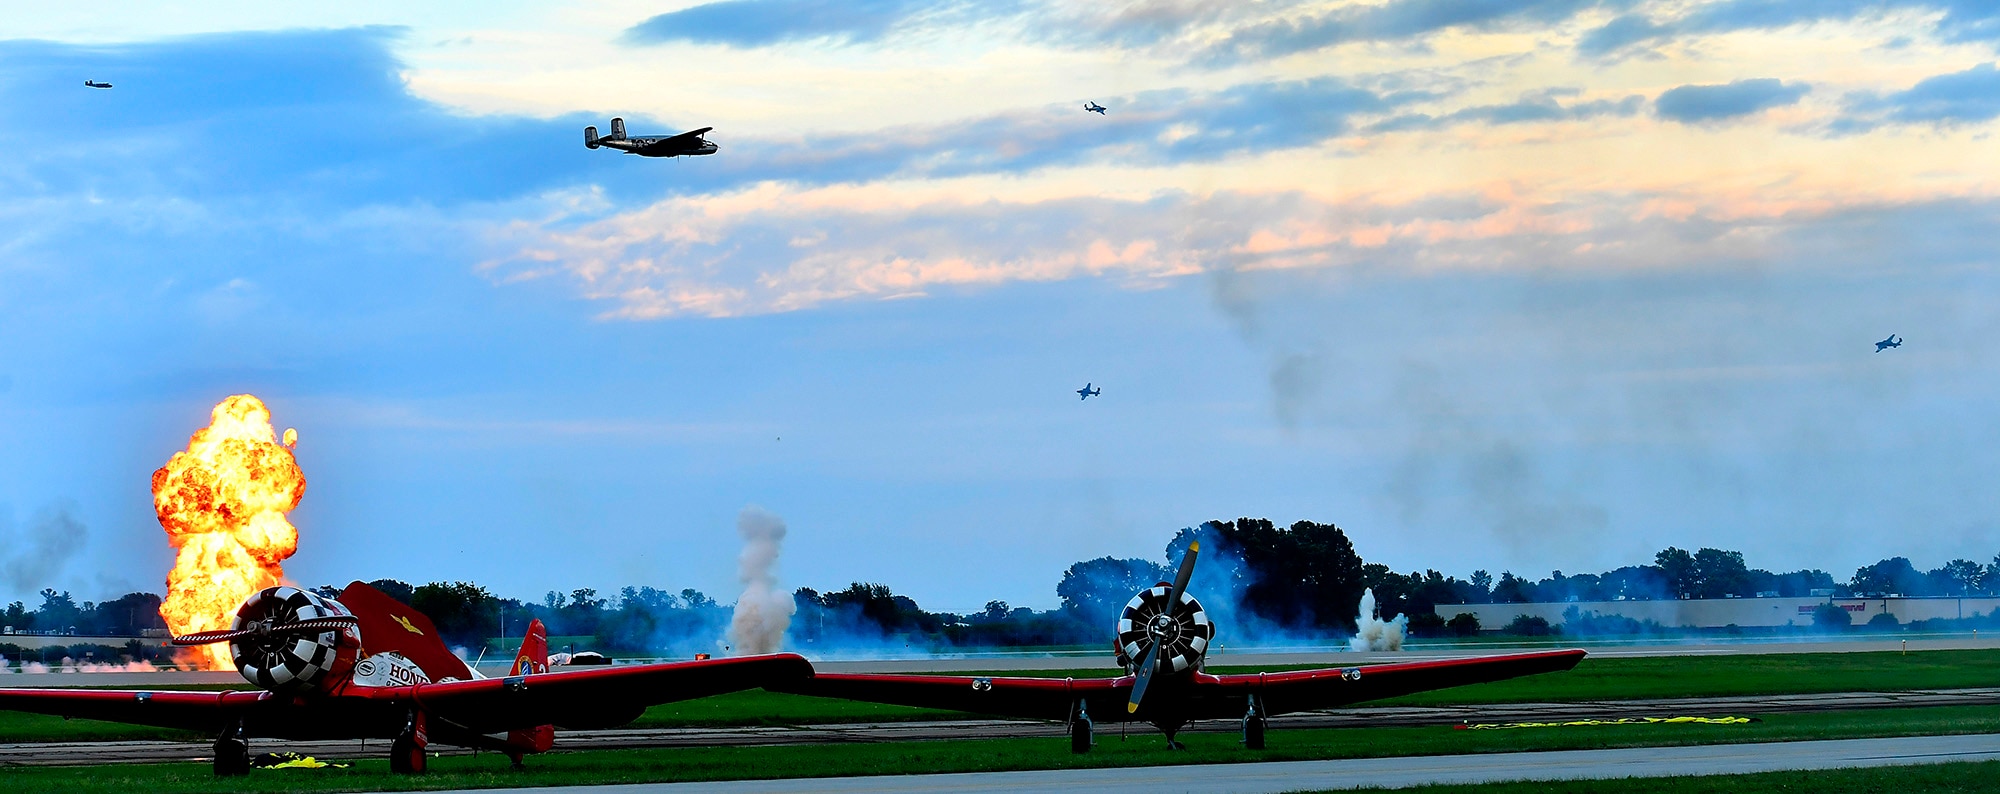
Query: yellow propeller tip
point(1131, 707)
point(1195, 546)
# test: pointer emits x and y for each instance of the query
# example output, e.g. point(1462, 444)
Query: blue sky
point(1521, 286)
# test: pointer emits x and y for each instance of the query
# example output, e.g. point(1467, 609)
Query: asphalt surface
point(92, 753)
point(1329, 656)
point(1272, 778)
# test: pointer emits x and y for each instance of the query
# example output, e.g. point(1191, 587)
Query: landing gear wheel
point(1079, 735)
point(406, 757)
point(232, 757)
point(1253, 732)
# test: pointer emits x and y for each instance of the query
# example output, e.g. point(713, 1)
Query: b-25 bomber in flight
point(1885, 344)
point(688, 143)
point(1094, 108)
point(95, 84)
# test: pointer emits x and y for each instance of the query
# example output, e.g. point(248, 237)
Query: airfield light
point(223, 502)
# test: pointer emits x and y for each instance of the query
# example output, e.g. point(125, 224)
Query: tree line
point(1301, 580)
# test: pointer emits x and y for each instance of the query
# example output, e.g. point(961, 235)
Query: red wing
point(1305, 690)
point(603, 698)
point(199, 711)
point(1036, 698)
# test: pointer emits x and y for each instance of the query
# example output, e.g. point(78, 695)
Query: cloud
point(1397, 20)
point(1968, 97)
point(757, 23)
point(1693, 104)
point(1536, 106)
point(1958, 21)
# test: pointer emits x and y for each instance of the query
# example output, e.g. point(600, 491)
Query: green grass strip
point(1143, 748)
point(1974, 777)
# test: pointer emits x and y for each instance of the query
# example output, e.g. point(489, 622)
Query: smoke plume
point(1371, 632)
point(764, 611)
point(32, 556)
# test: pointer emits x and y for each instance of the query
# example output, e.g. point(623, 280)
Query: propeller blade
point(1181, 579)
point(1146, 664)
point(206, 637)
point(308, 626)
point(1150, 660)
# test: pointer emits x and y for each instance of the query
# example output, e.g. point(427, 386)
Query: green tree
point(1830, 616)
point(1677, 566)
point(1719, 574)
point(462, 611)
point(1093, 592)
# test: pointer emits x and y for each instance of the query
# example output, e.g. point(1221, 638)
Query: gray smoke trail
point(31, 558)
point(764, 611)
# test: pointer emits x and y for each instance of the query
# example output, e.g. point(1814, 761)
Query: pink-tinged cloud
point(776, 249)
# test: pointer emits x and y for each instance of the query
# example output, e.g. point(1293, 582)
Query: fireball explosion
point(223, 502)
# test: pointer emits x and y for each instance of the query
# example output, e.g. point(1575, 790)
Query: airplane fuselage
point(640, 146)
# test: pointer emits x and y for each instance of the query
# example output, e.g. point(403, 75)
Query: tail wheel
point(406, 757)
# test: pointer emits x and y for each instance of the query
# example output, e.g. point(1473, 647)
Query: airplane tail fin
point(617, 129)
point(590, 137)
point(531, 659)
point(534, 654)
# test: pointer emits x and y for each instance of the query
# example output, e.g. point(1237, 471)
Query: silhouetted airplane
point(1892, 341)
point(95, 84)
point(687, 143)
point(1094, 108)
point(1163, 637)
point(1086, 392)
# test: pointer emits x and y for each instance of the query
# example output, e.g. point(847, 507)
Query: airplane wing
point(687, 136)
point(1201, 697)
point(605, 697)
point(602, 698)
point(1307, 690)
point(200, 711)
point(1034, 698)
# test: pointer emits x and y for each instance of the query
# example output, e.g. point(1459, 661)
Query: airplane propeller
point(260, 628)
point(1150, 660)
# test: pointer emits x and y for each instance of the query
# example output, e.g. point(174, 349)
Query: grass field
point(1144, 748)
point(1594, 679)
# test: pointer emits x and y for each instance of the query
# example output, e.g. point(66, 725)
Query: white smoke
point(1371, 632)
point(764, 611)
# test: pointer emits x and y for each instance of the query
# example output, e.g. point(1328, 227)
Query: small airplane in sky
point(366, 666)
point(1163, 636)
point(688, 143)
point(95, 84)
point(1086, 392)
point(1094, 108)
point(1885, 344)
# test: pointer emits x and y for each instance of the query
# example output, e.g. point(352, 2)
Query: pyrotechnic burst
point(223, 502)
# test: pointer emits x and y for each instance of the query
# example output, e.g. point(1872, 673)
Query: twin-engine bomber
point(690, 143)
point(366, 666)
point(1163, 640)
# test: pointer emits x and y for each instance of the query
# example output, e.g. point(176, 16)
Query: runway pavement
point(92, 753)
point(1273, 778)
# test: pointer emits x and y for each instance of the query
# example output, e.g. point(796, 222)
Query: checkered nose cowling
point(1183, 633)
point(289, 661)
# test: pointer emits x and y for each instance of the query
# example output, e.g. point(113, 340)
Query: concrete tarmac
point(1274, 778)
point(92, 753)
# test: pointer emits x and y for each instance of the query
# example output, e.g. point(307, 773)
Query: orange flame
point(223, 503)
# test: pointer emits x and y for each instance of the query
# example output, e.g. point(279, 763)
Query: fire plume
point(223, 502)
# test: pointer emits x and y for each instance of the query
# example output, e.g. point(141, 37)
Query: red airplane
point(366, 666)
point(1163, 637)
